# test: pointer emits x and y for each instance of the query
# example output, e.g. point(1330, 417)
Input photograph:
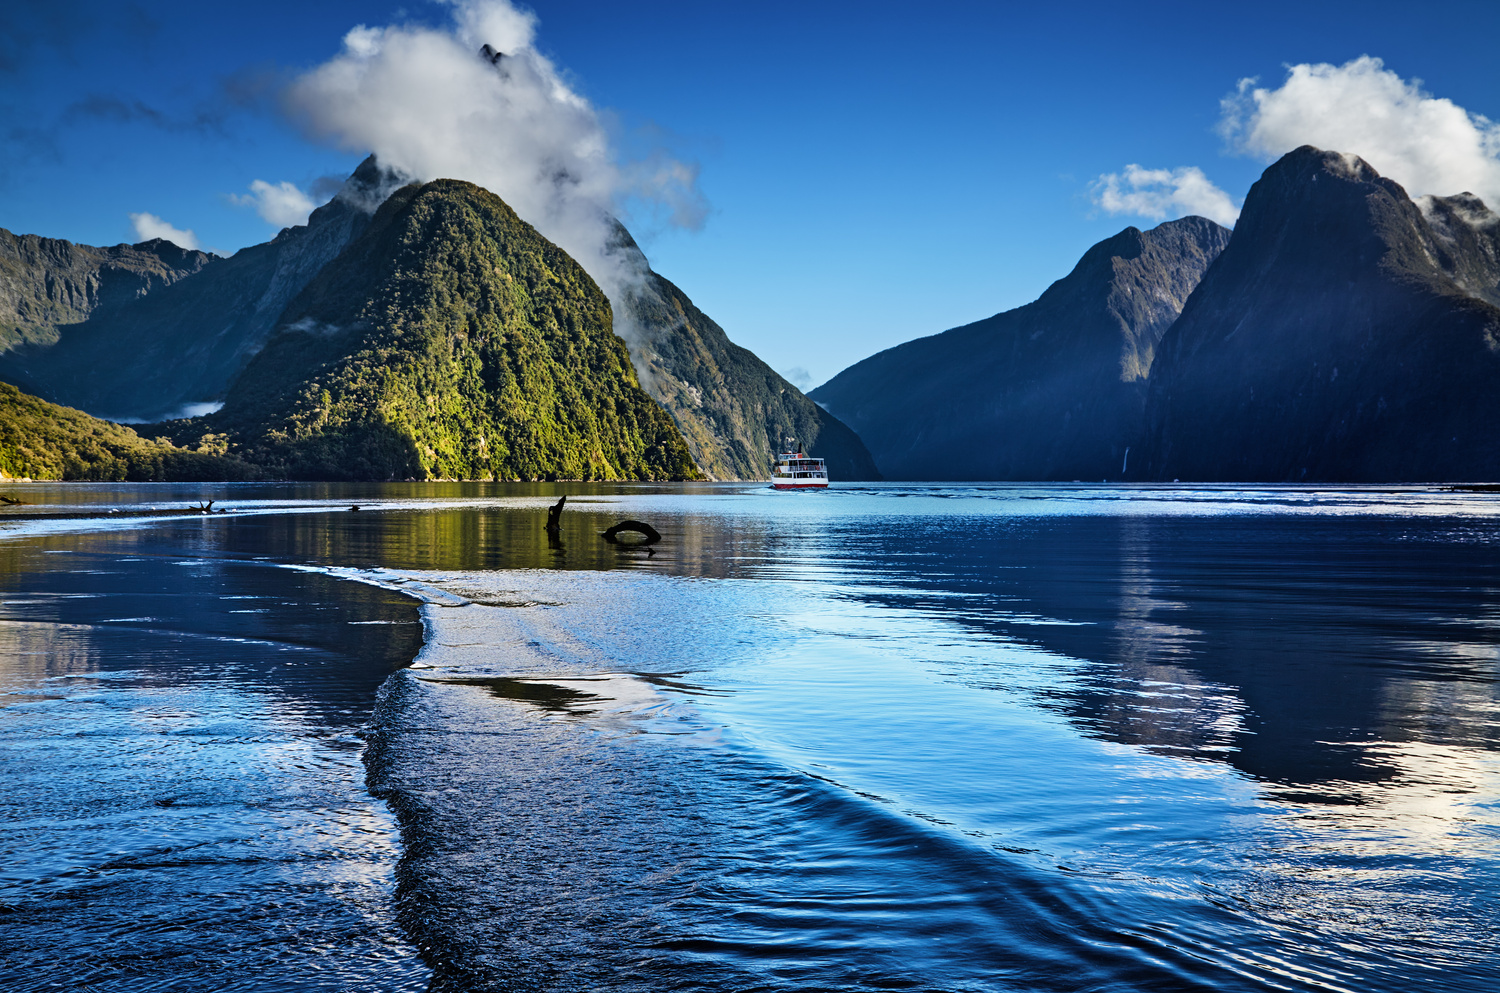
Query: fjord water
point(928, 738)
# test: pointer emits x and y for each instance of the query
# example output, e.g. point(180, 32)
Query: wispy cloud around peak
point(431, 106)
point(1428, 144)
point(1160, 194)
point(149, 226)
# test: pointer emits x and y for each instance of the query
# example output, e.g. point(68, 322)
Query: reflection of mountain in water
point(1292, 648)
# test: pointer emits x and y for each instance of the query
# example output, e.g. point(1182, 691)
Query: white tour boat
point(795, 471)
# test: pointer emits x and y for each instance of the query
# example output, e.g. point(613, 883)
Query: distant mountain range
point(176, 340)
point(1343, 332)
point(152, 332)
point(1052, 390)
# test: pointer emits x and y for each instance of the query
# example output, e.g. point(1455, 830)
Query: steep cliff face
point(177, 341)
point(734, 411)
point(1346, 333)
point(46, 283)
point(1052, 390)
point(449, 340)
point(1465, 243)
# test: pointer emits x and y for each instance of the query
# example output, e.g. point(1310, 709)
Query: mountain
point(734, 411)
point(73, 329)
point(1055, 389)
point(46, 283)
point(40, 440)
point(152, 346)
point(1346, 333)
point(448, 340)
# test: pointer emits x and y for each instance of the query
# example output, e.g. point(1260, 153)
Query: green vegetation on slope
point(735, 411)
point(450, 340)
point(137, 343)
point(40, 440)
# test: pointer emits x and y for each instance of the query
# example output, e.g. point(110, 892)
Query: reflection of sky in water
point(172, 816)
point(1213, 737)
point(957, 701)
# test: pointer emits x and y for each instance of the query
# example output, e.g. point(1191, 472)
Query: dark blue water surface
point(916, 738)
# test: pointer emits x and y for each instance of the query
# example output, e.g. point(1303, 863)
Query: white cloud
point(1163, 193)
point(430, 106)
point(149, 226)
point(798, 377)
point(283, 205)
point(1427, 144)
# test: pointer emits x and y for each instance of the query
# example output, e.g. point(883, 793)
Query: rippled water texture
point(181, 795)
point(941, 738)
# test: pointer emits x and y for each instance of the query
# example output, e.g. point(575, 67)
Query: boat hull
point(821, 485)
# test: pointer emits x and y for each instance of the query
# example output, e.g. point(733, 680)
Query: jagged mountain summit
point(47, 284)
point(1346, 333)
point(735, 411)
point(448, 340)
point(1052, 390)
point(174, 341)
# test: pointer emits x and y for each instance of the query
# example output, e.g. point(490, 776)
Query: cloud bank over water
point(430, 106)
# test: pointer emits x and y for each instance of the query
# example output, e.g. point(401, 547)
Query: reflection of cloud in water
point(612, 701)
point(1454, 711)
point(34, 651)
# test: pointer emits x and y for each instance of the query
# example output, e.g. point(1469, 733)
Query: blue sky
point(872, 172)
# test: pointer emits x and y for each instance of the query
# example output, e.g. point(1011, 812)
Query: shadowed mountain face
point(1052, 390)
point(178, 341)
point(1345, 334)
point(47, 284)
point(449, 340)
point(734, 411)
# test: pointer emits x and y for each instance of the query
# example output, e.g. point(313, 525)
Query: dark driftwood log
point(554, 515)
point(652, 536)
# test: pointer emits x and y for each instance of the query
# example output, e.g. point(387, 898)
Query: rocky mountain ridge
point(1055, 389)
point(735, 412)
point(47, 283)
point(1346, 333)
point(181, 341)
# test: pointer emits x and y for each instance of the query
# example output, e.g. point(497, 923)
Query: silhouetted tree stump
point(554, 515)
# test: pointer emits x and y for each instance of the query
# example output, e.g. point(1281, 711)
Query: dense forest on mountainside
point(75, 330)
point(449, 340)
point(40, 440)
